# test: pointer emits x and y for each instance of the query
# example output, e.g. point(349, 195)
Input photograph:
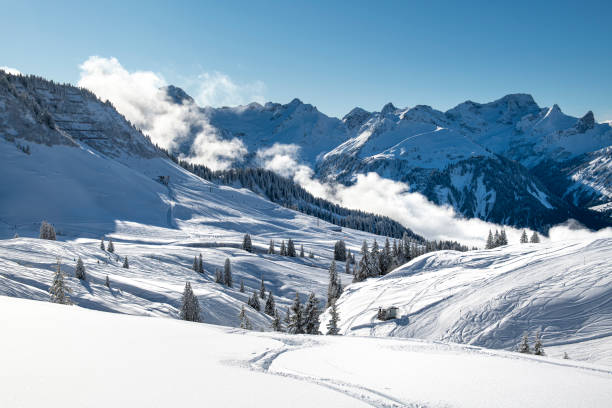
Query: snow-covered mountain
point(502, 161)
point(491, 297)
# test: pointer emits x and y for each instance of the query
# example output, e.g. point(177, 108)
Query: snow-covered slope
point(97, 359)
point(491, 297)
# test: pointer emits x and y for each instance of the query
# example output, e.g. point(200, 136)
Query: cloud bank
point(140, 97)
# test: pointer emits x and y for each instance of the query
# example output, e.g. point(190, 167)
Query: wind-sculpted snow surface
point(491, 297)
point(66, 356)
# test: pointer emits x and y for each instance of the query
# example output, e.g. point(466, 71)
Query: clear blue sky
point(335, 55)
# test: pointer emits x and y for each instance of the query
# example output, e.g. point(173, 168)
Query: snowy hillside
point(99, 359)
point(491, 297)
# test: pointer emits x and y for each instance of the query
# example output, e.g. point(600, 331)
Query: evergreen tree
point(110, 247)
point(262, 289)
point(490, 241)
point(283, 249)
point(535, 238)
point(385, 259)
point(276, 321)
point(523, 347)
point(195, 264)
point(311, 315)
point(254, 301)
point(496, 239)
point(107, 282)
point(219, 276)
point(333, 287)
point(296, 319)
point(287, 317)
point(246, 243)
point(79, 271)
point(524, 238)
point(227, 274)
point(301, 251)
point(538, 349)
point(245, 323)
point(126, 264)
point(46, 231)
point(241, 286)
point(374, 260)
point(270, 307)
point(271, 250)
point(190, 307)
point(362, 271)
point(200, 264)
point(102, 244)
point(310, 255)
point(291, 248)
point(58, 290)
point(340, 251)
point(408, 255)
point(503, 239)
point(565, 356)
point(347, 267)
point(332, 325)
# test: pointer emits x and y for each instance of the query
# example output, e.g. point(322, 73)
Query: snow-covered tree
point(334, 287)
point(332, 325)
point(58, 290)
point(538, 348)
point(271, 249)
point(107, 282)
point(283, 249)
point(301, 251)
point(102, 245)
point(245, 323)
point(523, 346)
point(254, 301)
point(246, 243)
point(374, 260)
point(126, 264)
point(262, 289)
point(535, 238)
point(503, 239)
point(195, 264)
point(490, 241)
point(219, 276)
point(311, 315)
point(565, 356)
point(347, 266)
point(276, 321)
point(296, 317)
point(79, 271)
point(190, 307)
point(46, 231)
point(310, 255)
point(241, 286)
point(110, 247)
point(200, 264)
point(496, 239)
point(524, 238)
point(385, 260)
point(291, 248)
point(340, 251)
point(270, 307)
point(363, 268)
point(227, 274)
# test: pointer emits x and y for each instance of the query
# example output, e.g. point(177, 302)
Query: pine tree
point(385, 259)
point(291, 248)
point(126, 264)
point(107, 282)
point(241, 286)
point(347, 267)
point(110, 247)
point(535, 238)
point(254, 301)
point(503, 239)
point(333, 287)
point(246, 243)
point(200, 264)
point(565, 356)
point(496, 239)
point(46, 231)
point(283, 249)
point(262, 289)
point(362, 272)
point(524, 238)
point(490, 241)
point(301, 251)
point(287, 318)
point(271, 249)
point(270, 307)
point(190, 307)
point(340, 251)
point(276, 322)
point(79, 271)
point(195, 264)
point(219, 276)
point(58, 290)
point(296, 319)
point(538, 349)
point(245, 323)
point(311, 315)
point(310, 255)
point(332, 325)
point(523, 347)
point(374, 260)
point(227, 274)
point(102, 245)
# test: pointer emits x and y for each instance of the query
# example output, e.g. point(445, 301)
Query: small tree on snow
point(195, 264)
point(301, 251)
point(254, 301)
point(227, 274)
point(276, 322)
point(102, 245)
point(241, 286)
point(107, 282)
point(291, 248)
point(565, 356)
point(524, 238)
point(200, 264)
point(58, 290)
point(490, 241)
point(246, 243)
point(110, 247)
point(46, 231)
point(311, 315)
point(270, 307)
point(296, 319)
point(535, 238)
point(79, 271)
point(271, 250)
point(218, 276)
point(126, 264)
point(523, 346)
point(283, 249)
point(190, 307)
point(538, 349)
point(332, 325)
point(245, 323)
point(262, 289)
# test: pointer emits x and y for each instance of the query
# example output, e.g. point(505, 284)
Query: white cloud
point(10, 70)
point(217, 89)
point(138, 97)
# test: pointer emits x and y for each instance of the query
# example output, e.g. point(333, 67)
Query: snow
point(99, 359)
point(491, 297)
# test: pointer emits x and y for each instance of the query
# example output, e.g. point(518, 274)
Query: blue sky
point(335, 55)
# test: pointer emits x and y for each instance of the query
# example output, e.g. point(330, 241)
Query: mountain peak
point(177, 95)
point(356, 117)
point(388, 108)
point(586, 122)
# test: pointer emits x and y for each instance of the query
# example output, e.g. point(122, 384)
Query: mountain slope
point(491, 297)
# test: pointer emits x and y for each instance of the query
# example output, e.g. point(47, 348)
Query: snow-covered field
point(491, 297)
point(66, 356)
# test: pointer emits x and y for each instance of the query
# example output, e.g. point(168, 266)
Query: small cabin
point(387, 313)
